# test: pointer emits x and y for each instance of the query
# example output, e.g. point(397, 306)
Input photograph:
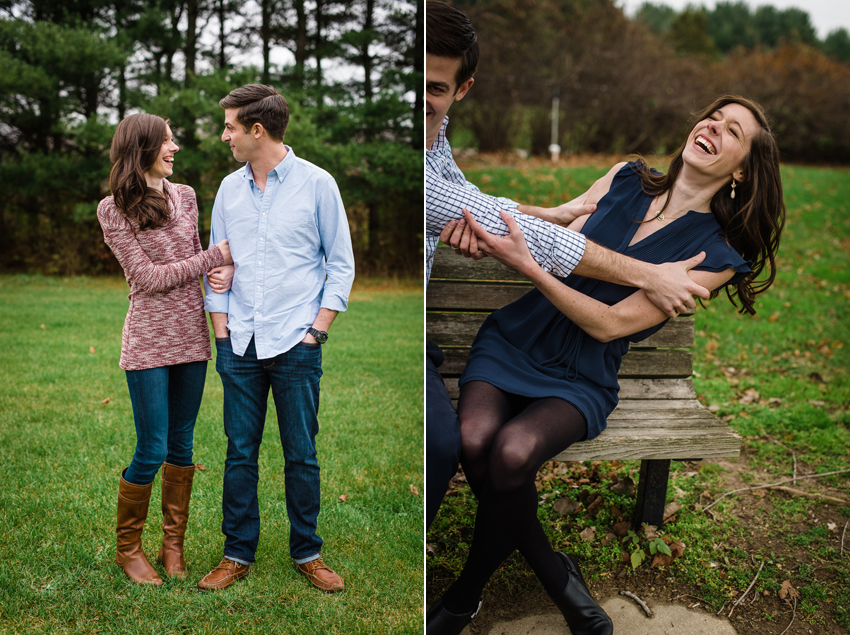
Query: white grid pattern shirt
point(556, 249)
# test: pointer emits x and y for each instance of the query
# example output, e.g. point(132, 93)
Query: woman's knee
point(513, 461)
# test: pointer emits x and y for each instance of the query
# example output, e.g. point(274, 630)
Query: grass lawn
point(779, 379)
point(66, 431)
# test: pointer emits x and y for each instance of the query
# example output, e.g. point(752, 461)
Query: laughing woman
point(151, 226)
point(542, 372)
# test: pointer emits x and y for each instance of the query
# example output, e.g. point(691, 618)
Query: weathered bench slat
point(634, 447)
point(472, 297)
point(459, 329)
point(448, 265)
point(633, 390)
point(661, 363)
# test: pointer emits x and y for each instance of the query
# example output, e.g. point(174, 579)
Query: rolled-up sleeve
point(216, 302)
point(557, 249)
point(336, 243)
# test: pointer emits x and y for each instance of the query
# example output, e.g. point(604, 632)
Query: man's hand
point(221, 278)
point(458, 235)
point(671, 290)
point(510, 250)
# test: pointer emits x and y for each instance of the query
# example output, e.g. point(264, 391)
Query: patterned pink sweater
point(165, 323)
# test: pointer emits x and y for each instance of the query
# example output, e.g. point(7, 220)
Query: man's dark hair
point(449, 33)
point(260, 104)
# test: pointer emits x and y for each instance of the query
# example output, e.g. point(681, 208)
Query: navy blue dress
point(530, 348)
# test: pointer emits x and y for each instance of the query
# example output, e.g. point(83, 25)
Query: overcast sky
point(826, 15)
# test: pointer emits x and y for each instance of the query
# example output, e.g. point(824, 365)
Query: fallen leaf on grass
point(650, 531)
point(44, 327)
point(832, 526)
point(343, 497)
point(106, 401)
point(622, 528)
point(677, 550)
point(414, 490)
point(588, 534)
point(750, 395)
point(788, 592)
point(624, 486)
point(200, 467)
point(566, 506)
point(595, 507)
point(670, 509)
point(91, 349)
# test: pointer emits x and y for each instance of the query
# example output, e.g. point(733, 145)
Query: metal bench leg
point(652, 491)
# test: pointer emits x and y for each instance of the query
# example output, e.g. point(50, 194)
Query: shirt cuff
point(334, 302)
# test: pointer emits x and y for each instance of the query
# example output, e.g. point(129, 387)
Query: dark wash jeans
point(293, 378)
point(165, 402)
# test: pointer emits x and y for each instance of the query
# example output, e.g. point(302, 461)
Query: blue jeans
point(293, 378)
point(165, 402)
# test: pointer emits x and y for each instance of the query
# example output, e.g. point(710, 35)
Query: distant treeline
point(629, 85)
point(70, 70)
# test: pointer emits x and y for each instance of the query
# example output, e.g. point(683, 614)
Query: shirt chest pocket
point(296, 229)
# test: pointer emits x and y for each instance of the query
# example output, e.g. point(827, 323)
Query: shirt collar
point(280, 169)
point(440, 141)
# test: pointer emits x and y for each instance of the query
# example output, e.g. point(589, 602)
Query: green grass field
point(66, 431)
point(780, 379)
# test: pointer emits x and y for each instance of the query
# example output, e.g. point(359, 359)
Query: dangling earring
point(733, 188)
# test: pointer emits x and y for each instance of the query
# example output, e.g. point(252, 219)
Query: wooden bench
point(658, 418)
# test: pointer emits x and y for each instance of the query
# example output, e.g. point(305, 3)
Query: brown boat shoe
point(321, 576)
point(226, 573)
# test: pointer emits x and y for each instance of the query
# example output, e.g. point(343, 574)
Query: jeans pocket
point(308, 346)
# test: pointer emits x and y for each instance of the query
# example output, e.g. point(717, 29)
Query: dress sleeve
point(154, 278)
point(720, 256)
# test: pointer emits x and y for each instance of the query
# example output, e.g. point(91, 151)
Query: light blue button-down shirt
point(292, 253)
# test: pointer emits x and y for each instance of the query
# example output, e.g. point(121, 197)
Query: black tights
point(505, 439)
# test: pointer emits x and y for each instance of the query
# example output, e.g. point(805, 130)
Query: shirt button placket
point(259, 339)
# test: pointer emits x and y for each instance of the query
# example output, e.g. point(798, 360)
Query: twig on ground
point(843, 533)
point(787, 480)
point(793, 615)
point(741, 599)
point(640, 602)
point(721, 609)
point(812, 495)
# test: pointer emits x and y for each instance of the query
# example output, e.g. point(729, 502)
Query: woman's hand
point(224, 246)
point(510, 250)
point(221, 278)
point(461, 238)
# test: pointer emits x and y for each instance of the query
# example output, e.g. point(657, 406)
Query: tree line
point(629, 85)
point(352, 73)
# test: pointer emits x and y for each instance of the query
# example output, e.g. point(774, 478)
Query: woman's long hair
point(752, 221)
point(135, 149)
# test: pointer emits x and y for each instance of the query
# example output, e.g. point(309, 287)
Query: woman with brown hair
point(542, 372)
point(151, 226)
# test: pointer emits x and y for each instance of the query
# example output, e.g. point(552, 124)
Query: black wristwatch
point(321, 336)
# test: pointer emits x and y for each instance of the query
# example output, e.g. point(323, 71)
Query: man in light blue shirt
point(294, 267)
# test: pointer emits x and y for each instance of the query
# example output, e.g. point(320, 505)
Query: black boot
point(584, 616)
point(440, 622)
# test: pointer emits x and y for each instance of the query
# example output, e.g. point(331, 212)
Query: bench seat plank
point(660, 363)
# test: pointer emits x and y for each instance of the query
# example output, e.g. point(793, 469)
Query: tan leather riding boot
point(133, 503)
point(176, 492)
